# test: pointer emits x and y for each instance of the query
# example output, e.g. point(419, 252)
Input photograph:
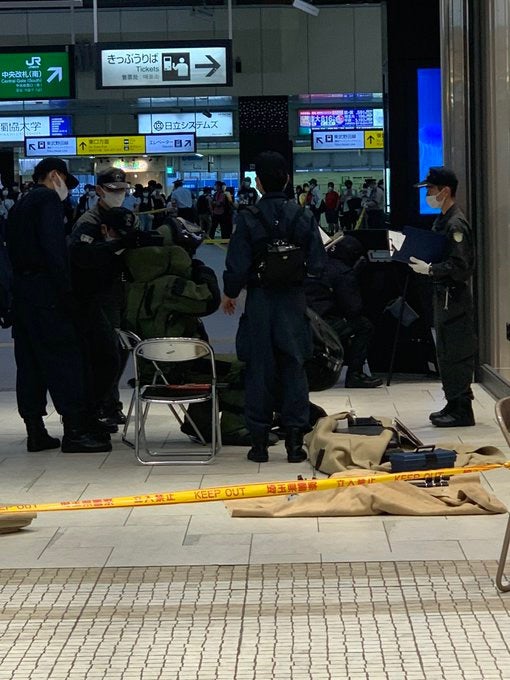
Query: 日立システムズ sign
point(36, 73)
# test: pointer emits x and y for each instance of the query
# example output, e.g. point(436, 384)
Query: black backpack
point(323, 369)
point(283, 263)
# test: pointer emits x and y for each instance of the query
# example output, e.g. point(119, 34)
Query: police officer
point(111, 188)
point(453, 304)
point(273, 337)
point(95, 269)
point(46, 345)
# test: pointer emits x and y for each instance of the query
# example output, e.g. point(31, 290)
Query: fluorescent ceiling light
point(306, 7)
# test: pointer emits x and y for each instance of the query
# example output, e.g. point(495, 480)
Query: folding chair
point(160, 352)
point(128, 341)
point(503, 418)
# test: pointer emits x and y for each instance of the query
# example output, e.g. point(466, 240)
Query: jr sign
point(36, 73)
point(173, 64)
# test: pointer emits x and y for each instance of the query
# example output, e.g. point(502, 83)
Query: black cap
point(112, 179)
point(120, 219)
point(439, 177)
point(48, 164)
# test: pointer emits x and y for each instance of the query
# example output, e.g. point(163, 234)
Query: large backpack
point(282, 263)
point(163, 300)
point(323, 369)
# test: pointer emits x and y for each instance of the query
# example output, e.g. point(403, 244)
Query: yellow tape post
point(229, 493)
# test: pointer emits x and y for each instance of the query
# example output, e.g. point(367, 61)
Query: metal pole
point(94, 6)
point(73, 33)
point(229, 10)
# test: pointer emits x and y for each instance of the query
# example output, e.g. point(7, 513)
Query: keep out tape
point(229, 493)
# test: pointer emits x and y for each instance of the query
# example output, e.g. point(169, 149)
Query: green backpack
point(162, 299)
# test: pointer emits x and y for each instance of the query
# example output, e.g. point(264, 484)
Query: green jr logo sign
point(37, 74)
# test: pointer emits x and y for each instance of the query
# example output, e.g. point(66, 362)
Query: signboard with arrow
point(329, 140)
point(374, 139)
point(36, 73)
point(114, 145)
point(197, 63)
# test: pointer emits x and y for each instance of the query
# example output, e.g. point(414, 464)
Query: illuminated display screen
point(430, 129)
point(340, 119)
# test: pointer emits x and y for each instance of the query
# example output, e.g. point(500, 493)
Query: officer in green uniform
point(453, 304)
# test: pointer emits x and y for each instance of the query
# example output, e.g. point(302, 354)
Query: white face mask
point(5, 193)
point(61, 189)
point(113, 199)
point(433, 203)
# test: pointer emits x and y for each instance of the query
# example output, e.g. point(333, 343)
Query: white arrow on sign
point(56, 73)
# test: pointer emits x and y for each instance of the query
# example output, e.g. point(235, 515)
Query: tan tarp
point(347, 452)
point(355, 455)
point(464, 496)
point(15, 521)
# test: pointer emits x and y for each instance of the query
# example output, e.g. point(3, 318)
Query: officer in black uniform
point(336, 297)
point(95, 269)
point(453, 304)
point(46, 344)
point(274, 336)
point(111, 188)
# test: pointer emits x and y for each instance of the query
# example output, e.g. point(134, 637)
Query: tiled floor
point(100, 594)
point(201, 534)
point(438, 620)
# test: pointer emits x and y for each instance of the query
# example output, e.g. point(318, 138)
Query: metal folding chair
point(503, 418)
point(160, 352)
point(128, 341)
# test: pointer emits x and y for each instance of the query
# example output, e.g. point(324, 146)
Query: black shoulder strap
point(258, 214)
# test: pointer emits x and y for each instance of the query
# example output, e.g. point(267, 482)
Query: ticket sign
point(50, 146)
point(374, 139)
point(105, 146)
point(196, 63)
point(342, 139)
point(178, 143)
point(36, 73)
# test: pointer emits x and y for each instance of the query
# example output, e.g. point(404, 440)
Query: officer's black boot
point(461, 415)
point(38, 438)
point(443, 412)
point(258, 452)
point(294, 445)
point(359, 379)
point(78, 438)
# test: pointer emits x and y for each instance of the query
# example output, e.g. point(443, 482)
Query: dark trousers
point(274, 340)
point(355, 336)
point(48, 359)
point(111, 305)
point(455, 340)
point(102, 356)
point(186, 214)
point(375, 219)
point(225, 224)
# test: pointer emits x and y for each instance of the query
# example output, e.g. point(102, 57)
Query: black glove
point(5, 318)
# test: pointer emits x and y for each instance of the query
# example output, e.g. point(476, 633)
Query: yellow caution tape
point(229, 493)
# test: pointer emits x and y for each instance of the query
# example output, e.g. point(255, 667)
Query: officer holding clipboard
point(453, 304)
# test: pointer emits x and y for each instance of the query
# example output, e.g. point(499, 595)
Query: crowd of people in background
point(345, 208)
point(215, 208)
